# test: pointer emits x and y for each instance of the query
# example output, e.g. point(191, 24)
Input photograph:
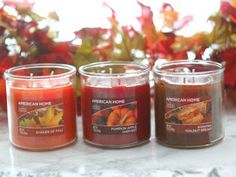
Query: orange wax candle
point(41, 106)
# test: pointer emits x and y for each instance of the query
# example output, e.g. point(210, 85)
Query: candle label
point(188, 115)
point(114, 116)
point(40, 118)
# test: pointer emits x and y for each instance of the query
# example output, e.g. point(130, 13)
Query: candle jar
point(115, 104)
point(41, 106)
point(188, 103)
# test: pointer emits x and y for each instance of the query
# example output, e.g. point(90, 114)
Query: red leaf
point(182, 55)
point(42, 40)
point(93, 32)
point(112, 19)
point(1, 31)
point(102, 51)
point(166, 7)
point(6, 62)
point(61, 47)
point(147, 25)
point(9, 20)
point(55, 58)
point(183, 22)
point(228, 57)
point(23, 29)
point(3, 97)
point(114, 23)
point(3, 52)
point(20, 3)
point(170, 16)
point(228, 11)
point(129, 31)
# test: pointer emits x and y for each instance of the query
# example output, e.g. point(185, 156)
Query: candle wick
point(110, 70)
point(111, 80)
point(31, 75)
point(193, 70)
point(52, 72)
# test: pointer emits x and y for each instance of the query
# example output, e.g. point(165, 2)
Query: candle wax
point(42, 118)
point(116, 116)
point(188, 115)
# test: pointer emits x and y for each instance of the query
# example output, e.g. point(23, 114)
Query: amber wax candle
point(41, 106)
point(115, 104)
point(188, 103)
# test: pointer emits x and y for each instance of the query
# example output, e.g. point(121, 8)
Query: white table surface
point(149, 160)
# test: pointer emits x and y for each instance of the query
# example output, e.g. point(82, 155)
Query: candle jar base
point(129, 145)
point(37, 149)
point(212, 143)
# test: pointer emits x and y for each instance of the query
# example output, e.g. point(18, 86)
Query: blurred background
point(79, 32)
point(76, 14)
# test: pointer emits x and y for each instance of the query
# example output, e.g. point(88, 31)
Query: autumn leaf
point(221, 32)
point(53, 16)
point(147, 25)
point(169, 15)
point(28, 122)
point(228, 10)
point(3, 97)
point(125, 40)
point(227, 56)
point(51, 117)
point(22, 3)
point(85, 55)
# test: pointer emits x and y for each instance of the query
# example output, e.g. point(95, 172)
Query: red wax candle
point(41, 106)
point(115, 104)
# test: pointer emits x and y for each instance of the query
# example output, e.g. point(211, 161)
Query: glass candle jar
point(188, 103)
point(115, 104)
point(41, 106)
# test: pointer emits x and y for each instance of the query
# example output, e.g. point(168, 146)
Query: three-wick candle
point(115, 104)
point(41, 105)
point(188, 103)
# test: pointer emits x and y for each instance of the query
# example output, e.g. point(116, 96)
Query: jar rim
point(160, 69)
point(69, 70)
point(138, 69)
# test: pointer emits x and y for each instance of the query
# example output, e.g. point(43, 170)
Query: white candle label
point(43, 118)
point(114, 116)
point(188, 115)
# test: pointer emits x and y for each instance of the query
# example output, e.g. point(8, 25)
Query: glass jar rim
point(157, 69)
point(69, 70)
point(141, 69)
